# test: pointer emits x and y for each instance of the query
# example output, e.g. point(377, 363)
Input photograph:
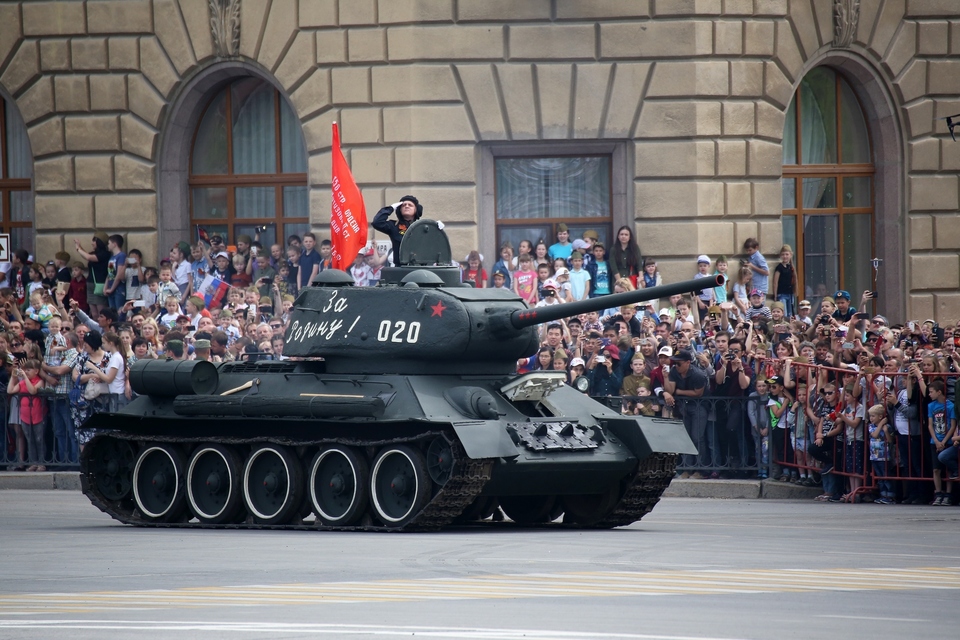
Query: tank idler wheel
point(213, 484)
point(272, 484)
point(111, 462)
point(590, 509)
point(400, 485)
point(439, 460)
point(339, 485)
point(158, 483)
point(528, 509)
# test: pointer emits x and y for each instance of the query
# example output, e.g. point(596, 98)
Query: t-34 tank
point(399, 409)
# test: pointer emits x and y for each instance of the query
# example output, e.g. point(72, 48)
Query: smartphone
point(601, 359)
point(861, 316)
point(937, 336)
point(847, 345)
point(190, 327)
point(131, 261)
point(139, 303)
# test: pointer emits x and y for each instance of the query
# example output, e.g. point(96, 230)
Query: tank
point(399, 409)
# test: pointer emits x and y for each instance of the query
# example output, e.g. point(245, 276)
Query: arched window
point(16, 197)
point(828, 187)
point(248, 167)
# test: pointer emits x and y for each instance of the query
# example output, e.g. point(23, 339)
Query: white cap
point(222, 254)
point(577, 362)
point(665, 351)
point(562, 271)
point(551, 283)
point(703, 258)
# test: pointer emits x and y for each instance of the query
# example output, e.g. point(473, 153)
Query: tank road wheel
point(339, 485)
point(272, 484)
point(400, 485)
point(439, 460)
point(158, 483)
point(528, 509)
point(590, 509)
point(213, 484)
point(111, 463)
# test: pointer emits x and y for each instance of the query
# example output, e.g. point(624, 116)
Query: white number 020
point(384, 332)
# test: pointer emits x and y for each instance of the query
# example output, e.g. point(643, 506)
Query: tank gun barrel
point(527, 317)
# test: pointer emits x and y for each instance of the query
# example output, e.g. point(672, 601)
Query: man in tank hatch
point(408, 211)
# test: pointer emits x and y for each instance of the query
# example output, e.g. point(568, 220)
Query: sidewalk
point(728, 489)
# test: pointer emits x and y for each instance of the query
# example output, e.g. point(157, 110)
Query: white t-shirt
point(182, 275)
point(119, 383)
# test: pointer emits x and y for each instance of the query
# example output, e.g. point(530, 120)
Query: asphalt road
point(693, 568)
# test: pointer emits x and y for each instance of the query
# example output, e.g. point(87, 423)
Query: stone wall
point(695, 89)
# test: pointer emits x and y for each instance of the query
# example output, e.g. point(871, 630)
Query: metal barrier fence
point(736, 439)
point(50, 444)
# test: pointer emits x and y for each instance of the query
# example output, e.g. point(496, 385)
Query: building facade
point(695, 123)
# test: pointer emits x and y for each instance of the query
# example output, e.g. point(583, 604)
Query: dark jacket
point(394, 228)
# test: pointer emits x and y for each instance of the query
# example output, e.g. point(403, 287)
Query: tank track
point(467, 480)
point(643, 491)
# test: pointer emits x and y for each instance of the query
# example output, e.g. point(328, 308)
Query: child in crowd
point(599, 270)
point(39, 310)
point(562, 248)
point(543, 274)
point(880, 437)
point(506, 263)
point(240, 277)
point(707, 297)
point(778, 404)
point(741, 291)
point(785, 280)
point(720, 269)
point(757, 264)
point(800, 425)
point(475, 272)
point(759, 416)
point(942, 425)
point(26, 382)
point(851, 417)
point(167, 288)
point(500, 278)
point(562, 276)
point(172, 311)
point(525, 280)
point(579, 278)
point(757, 311)
point(36, 279)
point(77, 291)
point(360, 271)
point(326, 255)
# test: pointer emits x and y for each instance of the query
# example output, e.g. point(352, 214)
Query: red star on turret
point(438, 309)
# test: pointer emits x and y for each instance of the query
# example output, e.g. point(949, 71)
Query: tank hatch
point(425, 243)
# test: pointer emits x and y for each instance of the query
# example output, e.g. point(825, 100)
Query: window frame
point(231, 180)
point(621, 187)
point(838, 171)
point(8, 185)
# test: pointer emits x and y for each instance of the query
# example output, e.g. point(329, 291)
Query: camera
point(601, 359)
point(730, 356)
point(260, 229)
point(549, 292)
point(825, 319)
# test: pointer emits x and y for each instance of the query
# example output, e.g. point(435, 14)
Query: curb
point(720, 489)
point(43, 481)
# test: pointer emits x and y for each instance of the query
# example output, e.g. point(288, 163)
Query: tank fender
point(485, 439)
point(645, 436)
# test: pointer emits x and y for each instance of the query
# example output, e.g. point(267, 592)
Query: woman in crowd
point(625, 257)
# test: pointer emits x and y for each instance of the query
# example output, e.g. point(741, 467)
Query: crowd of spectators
point(818, 392)
point(767, 385)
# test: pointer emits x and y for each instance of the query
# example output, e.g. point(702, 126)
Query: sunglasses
point(16, 344)
point(276, 326)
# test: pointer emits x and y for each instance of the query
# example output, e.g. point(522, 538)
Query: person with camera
point(732, 384)
point(683, 387)
point(604, 373)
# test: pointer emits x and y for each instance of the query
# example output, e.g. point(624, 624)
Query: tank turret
point(420, 319)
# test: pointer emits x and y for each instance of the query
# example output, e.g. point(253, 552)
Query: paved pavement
point(693, 568)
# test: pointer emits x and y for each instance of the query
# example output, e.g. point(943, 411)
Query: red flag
point(348, 217)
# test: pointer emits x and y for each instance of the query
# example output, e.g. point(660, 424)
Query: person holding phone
point(115, 288)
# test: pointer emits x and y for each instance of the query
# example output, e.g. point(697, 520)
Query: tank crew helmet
point(416, 203)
